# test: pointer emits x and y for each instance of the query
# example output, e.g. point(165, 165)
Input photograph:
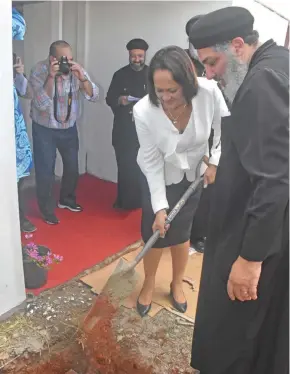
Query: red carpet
point(87, 238)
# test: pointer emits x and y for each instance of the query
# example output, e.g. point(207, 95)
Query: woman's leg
point(151, 262)
point(179, 254)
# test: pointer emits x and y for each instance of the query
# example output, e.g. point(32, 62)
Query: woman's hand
point(159, 223)
point(209, 175)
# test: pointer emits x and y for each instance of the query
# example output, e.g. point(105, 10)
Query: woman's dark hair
point(178, 63)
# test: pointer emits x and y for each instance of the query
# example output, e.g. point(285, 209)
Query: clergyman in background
point(128, 86)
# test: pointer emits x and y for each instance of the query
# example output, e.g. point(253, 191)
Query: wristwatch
point(84, 80)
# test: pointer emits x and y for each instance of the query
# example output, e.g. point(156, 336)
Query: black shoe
point(73, 207)
point(143, 309)
point(181, 307)
point(50, 219)
point(26, 225)
point(199, 245)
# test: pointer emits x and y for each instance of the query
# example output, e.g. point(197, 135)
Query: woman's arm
point(152, 165)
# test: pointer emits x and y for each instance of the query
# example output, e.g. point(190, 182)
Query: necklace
point(175, 120)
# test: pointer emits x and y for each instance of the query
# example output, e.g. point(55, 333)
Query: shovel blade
point(121, 283)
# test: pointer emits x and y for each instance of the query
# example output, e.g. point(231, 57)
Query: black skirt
point(180, 228)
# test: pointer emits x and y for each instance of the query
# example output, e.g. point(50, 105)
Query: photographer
point(56, 83)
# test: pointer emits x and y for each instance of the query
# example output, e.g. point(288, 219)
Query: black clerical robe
point(200, 221)
point(125, 82)
point(249, 218)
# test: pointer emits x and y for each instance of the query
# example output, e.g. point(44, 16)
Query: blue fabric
point(18, 25)
point(23, 149)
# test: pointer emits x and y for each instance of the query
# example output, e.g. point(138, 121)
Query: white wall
point(267, 23)
point(98, 32)
point(12, 292)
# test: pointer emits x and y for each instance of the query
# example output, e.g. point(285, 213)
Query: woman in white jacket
point(173, 124)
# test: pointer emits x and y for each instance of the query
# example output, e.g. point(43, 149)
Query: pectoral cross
point(131, 112)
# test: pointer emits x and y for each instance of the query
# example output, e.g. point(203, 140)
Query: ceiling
point(281, 7)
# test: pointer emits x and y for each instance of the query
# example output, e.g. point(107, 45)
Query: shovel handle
point(153, 239)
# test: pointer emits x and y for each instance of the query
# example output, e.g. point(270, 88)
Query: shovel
point(124, 278)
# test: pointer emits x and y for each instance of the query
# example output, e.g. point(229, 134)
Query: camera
point(64, 65)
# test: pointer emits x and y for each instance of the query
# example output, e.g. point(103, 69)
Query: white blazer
point(165, 155)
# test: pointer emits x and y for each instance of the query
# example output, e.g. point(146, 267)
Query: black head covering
point(137, 44)
point(221, 26)
point(190, 23)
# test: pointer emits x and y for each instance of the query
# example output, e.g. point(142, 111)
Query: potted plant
point(37, 260)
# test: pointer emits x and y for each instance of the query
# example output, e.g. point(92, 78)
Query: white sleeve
point(220, 110)
point(152, 165)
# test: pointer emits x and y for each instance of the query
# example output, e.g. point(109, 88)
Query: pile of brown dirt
point(93, 352)
point(104, 353)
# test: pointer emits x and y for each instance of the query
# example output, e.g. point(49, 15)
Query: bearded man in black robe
point(128, 85)
point(242, 320)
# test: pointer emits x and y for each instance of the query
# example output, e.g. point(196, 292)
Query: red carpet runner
point(87, 238)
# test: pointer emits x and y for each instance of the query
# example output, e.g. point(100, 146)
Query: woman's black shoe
point(181, 307)
point(143, 309)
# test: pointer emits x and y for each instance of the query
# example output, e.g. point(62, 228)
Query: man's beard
point(137, 67)
point(233, 77)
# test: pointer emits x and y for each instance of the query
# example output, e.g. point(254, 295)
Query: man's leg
point(44, 149)
point(25, 224)
point(118, 201)
point(200, 221)
point(68, 146)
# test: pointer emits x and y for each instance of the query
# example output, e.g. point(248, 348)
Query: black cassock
point(249, 218)
point(200, 220)
point(125, 82)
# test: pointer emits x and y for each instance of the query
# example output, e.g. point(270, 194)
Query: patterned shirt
point(42, 105)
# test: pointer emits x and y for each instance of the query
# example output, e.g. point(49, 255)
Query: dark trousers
point(45, 143)
point(20, 199)
point(129, 174)
point(200, 221)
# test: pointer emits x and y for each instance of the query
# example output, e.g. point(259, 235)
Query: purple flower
point(33, 254)
point(58, 258)
point(49, 260)
point(44, 261)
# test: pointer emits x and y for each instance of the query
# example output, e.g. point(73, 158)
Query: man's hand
point(77, 70)
point(19, 67)
point(209, 175)
point(123, 100)
point(243, 280)
point(53, 68)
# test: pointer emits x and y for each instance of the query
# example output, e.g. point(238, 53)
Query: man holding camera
point(56, 83)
